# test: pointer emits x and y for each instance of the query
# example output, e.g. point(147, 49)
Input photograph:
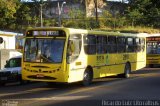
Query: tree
point(23, 16)
point(144, 12)
point(153, 13)
point(7, 12)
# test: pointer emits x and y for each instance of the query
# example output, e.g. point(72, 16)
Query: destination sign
point(58, 33)
point(153, 39)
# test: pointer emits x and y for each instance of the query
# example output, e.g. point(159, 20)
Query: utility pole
point(41, 11)
point(95, 2)
point(60, 12)
point(41, 14)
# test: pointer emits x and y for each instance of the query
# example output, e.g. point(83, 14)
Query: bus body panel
point(76, 69)
point(44, 72)
point(153, 59)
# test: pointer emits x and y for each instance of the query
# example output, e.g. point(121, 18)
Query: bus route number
point(100, 58)
point(125, 56)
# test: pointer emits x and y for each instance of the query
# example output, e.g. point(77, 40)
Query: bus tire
point(87, 77)
point(2, 83)
point(127, 71)
point(151, 66)
point(23, 82)
point(51, 84)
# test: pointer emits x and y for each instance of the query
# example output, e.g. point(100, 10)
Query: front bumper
point(9, 77)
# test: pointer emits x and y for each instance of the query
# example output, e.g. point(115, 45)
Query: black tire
point(127, 71)
point(2, 84)
point(56, 85)
point(87, 77)
point(52, 84)
point(151, 66)
point(23, 82)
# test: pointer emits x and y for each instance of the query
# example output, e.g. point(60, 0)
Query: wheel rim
point(127, 72)
point(87, 78)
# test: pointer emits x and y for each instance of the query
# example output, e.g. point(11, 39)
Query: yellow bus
point(153, 50)
point(67, 55)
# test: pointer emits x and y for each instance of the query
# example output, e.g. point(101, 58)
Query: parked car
point(12, 71)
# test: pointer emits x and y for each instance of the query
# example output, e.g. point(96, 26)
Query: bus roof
point(154, 35)
point(84, 31)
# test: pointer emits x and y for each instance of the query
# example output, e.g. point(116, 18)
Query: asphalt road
point(142, 88)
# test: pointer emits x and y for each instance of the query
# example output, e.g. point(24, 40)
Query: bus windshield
point(153, 48)
point(43, 50)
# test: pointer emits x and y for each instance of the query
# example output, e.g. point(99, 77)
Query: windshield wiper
point(46, 59)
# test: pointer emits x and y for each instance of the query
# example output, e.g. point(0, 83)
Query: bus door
point(75, 62)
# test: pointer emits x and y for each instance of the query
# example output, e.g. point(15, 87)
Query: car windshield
point(44, 50)
point(14, 62)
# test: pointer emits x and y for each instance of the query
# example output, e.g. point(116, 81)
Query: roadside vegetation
point(139, 16)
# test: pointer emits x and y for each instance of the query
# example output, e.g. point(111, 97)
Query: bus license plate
point(3, 78)
point(40, 75)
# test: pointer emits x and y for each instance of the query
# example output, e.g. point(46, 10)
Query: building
point(8, 46)
point(72, 8)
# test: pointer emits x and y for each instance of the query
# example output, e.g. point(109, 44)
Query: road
point(143, 87)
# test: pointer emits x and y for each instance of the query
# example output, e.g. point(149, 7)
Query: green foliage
point(139, 14)
point(144, 12)
point(23, 14)
point(8, 9)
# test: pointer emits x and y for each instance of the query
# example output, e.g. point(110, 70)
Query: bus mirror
point(1, 40)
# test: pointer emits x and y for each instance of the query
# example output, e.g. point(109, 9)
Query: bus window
point(121, 44)
point(105, 41)
point(74, 48)
point(99, 45)
point(56, 50)
point(90, 44)
point(142, 40)
point(112, 46)
point(44, 50)
point(130, 45)
point(149, 48)
point(158, 47)
point(137, 47)
point(31, 48)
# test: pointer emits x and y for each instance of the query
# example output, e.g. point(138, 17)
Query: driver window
point(74, 48)
point(71, 48)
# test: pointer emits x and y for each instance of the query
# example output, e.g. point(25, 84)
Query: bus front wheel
point(151, 66)
point(2, 84)
point(127, 71)
point(87, 77)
